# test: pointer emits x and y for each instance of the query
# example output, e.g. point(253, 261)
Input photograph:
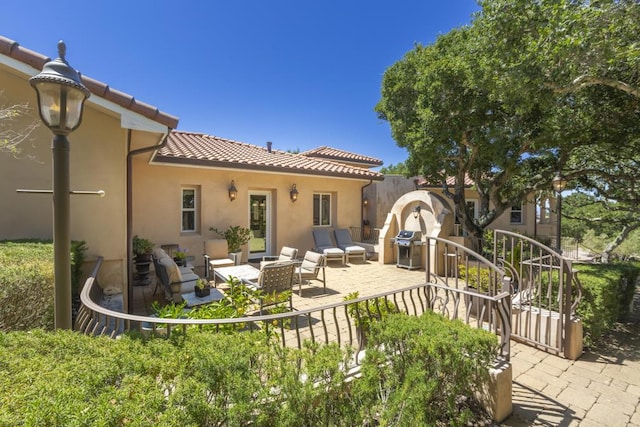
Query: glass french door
point(259, 219)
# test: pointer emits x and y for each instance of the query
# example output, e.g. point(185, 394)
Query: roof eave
point(159, 159)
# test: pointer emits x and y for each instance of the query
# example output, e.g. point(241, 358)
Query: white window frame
point(193, 209)
point(321, 210)
point(520, 211)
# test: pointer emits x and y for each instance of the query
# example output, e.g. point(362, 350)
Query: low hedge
point(63, 378)
point(607, 291)
point(26, 282)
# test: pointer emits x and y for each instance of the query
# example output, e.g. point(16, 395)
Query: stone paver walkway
point(602, 388)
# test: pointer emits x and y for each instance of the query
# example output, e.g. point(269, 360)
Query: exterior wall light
point(61, 97)
point(416, 212)
point(365, 202)
point(293, 193)
point(233, 191)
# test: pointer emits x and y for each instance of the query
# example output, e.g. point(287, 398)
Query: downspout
point(362, 205)
point(130, 207)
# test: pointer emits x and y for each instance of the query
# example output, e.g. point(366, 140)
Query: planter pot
point(140, 258)
point(180, 262)
point(236, 257)
point(203, 292)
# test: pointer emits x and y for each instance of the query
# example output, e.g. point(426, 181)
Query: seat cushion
point(354, 249)
point(173, 272)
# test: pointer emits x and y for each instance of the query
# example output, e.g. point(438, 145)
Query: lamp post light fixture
point(61, 97)
point(559, 184)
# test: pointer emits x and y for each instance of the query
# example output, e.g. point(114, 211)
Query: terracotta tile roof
point(197, 149)
point(36, 60)
point(329, 153)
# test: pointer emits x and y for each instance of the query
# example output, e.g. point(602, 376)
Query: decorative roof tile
point(329, 153)
point(36, 60)
point(198, 149)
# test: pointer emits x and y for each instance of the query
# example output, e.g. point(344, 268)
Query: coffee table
point(242, 272)
point(193, 301)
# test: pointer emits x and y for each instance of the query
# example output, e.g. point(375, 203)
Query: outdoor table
point(193, 301)
point(241, 272)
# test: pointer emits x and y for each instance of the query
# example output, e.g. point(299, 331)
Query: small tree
point(13, 131)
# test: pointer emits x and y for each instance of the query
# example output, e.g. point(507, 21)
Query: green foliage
point(607, 293)
point(366, 312)
point(397, 169)
point(205, 379)
point(26, 282)
point(475, 277)
point(142, 246)
point(235, 235)
point(434, 365)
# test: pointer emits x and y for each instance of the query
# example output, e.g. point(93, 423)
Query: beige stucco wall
point(157, 192)
point(97, 162)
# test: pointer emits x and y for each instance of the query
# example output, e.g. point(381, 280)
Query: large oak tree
point(511, 98)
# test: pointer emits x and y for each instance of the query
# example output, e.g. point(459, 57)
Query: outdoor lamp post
point(559, 183)
point(61, 97)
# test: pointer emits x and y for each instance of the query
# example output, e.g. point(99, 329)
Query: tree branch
point(586, 80)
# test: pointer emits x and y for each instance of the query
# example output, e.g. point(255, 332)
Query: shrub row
point(26, 283)
point(63, 378)
point(607, 291)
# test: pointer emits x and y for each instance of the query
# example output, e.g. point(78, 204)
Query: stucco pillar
point(573, 345)
point(496, 395)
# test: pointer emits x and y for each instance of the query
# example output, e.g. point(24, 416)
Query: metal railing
point(545, 288)
point(365, 235)
point(333, 323)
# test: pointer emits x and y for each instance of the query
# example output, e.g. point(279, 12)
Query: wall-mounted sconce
point(233, 191)
point(293, 193)
point(365, 202)
point(416, 212)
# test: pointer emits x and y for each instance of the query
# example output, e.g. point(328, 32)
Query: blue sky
point(298, 73)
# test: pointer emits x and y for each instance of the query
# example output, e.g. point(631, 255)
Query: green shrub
point(476, 277)
point(26, 282)
point(607, 292)
point(426, 369)
point(200, 379)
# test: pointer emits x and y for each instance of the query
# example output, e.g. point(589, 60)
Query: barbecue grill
point(409, 249)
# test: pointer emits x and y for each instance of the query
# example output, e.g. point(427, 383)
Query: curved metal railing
point(332, 323)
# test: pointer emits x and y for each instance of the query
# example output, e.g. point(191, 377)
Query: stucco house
point(165, 185)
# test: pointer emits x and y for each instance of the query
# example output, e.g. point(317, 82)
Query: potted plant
point(366, 312)
point(202, 288)
point(180, 257)
point(142, 249)
point(236, 237)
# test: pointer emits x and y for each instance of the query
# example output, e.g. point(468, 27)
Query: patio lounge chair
point(274, 278)
point(286, 254)
point(216, 254)
point(308, 270)
point(343, 239)
point(324, 245)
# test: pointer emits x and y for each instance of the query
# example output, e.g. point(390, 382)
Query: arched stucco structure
point(435, 220)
